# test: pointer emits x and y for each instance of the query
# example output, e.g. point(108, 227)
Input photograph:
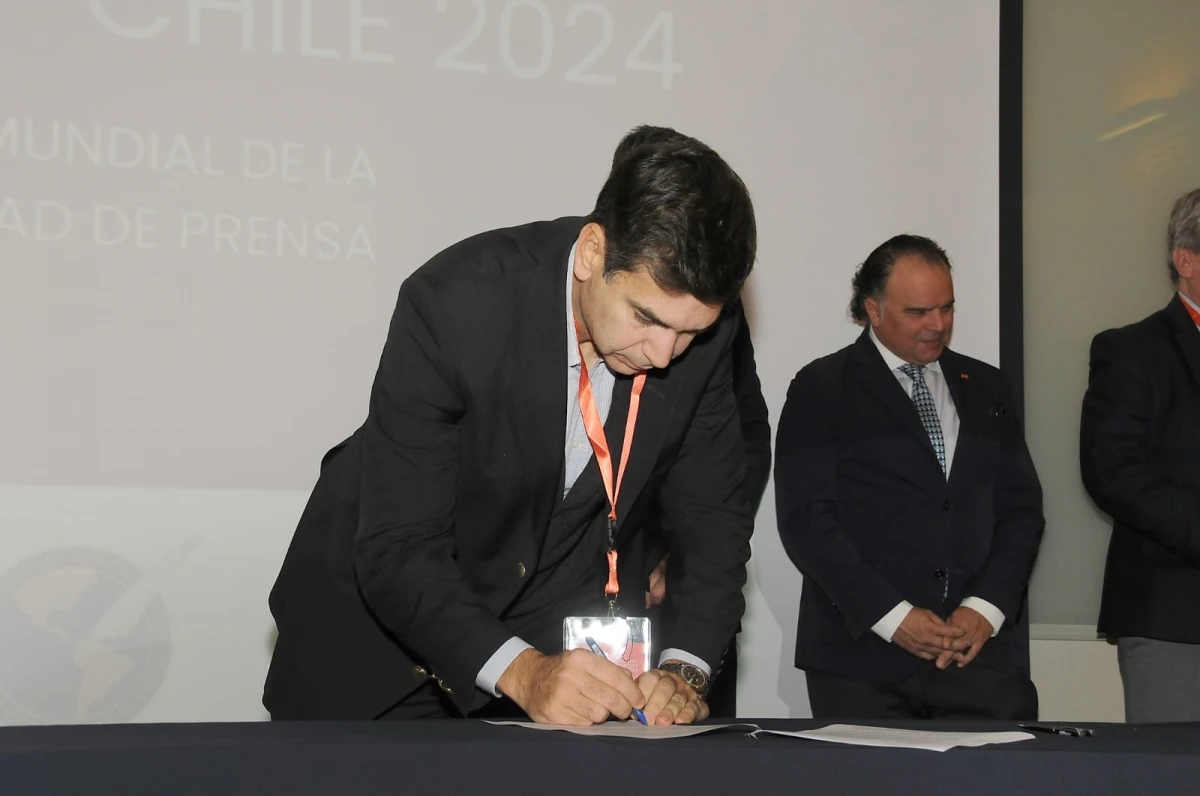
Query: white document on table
point(935, 741)
point(632, 729)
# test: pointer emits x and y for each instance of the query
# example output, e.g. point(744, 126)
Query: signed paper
point(901, 739)
point(631, 729)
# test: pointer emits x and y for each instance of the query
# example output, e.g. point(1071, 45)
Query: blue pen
point(596, 649)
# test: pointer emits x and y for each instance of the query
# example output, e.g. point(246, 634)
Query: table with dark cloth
point(472, 757)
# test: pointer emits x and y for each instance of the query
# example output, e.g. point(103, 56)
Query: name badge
point(623, 640)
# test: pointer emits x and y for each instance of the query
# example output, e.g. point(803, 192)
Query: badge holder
point(623, 640)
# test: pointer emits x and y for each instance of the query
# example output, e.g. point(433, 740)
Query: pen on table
point(596, 649)
point(1078, 732)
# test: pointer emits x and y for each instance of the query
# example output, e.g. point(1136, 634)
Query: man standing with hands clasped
point(533, 403)
point(906, 496)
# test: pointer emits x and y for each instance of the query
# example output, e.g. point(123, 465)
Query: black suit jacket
point(425, 525)
point(752, 411)
point(1139, 452)
point(755, 424)
point(866, 514)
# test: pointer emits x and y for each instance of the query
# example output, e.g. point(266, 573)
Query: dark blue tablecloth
point(472, 757)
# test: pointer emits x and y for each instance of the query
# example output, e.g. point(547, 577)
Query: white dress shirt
point(577, 453)
point(886, 627)
point(1191, 304)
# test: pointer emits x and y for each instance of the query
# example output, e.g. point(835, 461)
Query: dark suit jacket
point(1139, 451)
point(756, 432)
point(866, 514)
point(752, 412)
point(425, 524)
point(755, 424)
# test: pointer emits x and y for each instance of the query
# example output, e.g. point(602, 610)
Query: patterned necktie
point(923, 399)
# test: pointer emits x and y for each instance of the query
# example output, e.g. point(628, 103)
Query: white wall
point(1077, 680)
point(184, 355)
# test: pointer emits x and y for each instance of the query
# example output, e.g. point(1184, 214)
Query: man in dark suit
point(756, 431)
point(447, 539)
point(1139, 452)
point(906, 496)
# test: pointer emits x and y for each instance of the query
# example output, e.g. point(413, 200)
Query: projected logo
point(85, 637)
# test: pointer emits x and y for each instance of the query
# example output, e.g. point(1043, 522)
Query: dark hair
point(672, 205)
point(871, 278)
point(648, 134)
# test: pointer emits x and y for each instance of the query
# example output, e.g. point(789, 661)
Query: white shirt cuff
point(686, 657)
point(496, 665)
point(985, 609)
point(886, 628)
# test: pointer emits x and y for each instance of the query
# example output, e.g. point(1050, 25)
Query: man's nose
point(661, 347)
point(937, 320)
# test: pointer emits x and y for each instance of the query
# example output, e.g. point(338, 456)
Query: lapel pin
point(963, 376)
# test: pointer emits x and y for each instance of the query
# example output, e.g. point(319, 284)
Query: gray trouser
point(1161, 680)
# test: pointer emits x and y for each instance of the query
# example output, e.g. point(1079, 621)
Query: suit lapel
point(968, 407)
point(654, 416)
point(540, 369)
point(873, 372)
point(648, 436)
point(1187, 336)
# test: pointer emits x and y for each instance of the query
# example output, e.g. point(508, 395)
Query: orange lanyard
point(595, 433)
point(1191, 311)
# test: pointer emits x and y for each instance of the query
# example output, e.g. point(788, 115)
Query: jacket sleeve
point(405, 558)
point(1115, 440)
point(1017, 510)
point(707, 523)
point(755, 430)
point(806, 451)
point(752, 415)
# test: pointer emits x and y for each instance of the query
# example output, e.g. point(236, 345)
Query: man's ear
point(589, 252)
point(1185, 262)
point(874, 311)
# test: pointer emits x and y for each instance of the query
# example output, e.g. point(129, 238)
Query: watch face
point(692, 675)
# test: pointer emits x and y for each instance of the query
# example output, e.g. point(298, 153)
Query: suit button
point(946, 506)
point(940, 574)
point(520, 570)
point(419, 671)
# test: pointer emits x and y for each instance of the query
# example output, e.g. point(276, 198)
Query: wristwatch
point(692, 675)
